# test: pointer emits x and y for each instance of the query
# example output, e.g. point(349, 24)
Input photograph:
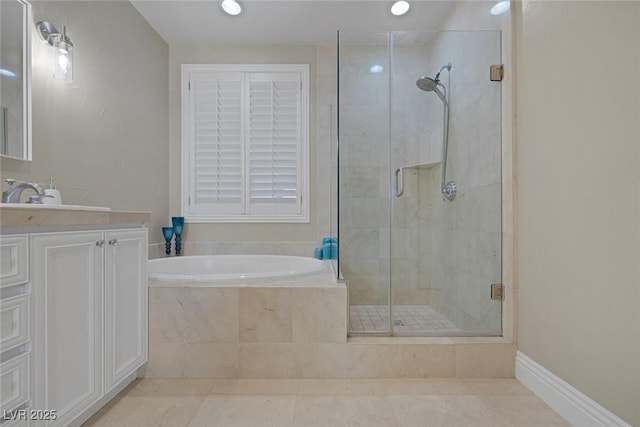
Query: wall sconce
point(62, 48)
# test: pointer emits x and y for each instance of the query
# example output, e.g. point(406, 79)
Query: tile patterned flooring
point(406, 318)
point(330, 403)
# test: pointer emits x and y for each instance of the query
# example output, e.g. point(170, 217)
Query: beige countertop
point(33, 217)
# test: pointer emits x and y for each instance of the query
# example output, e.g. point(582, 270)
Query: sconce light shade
point(62, 50)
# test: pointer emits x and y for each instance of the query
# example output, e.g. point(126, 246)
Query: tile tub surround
point(309, 402)
point(231, 332)
point(296, 333)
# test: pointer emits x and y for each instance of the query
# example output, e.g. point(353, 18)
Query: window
point(245, 143)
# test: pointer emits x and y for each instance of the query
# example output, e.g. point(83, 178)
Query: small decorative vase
point(167, 232)
point(178, 224)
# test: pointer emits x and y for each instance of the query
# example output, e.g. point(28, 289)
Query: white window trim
point(186, 166)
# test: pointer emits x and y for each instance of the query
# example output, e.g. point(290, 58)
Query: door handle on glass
point(399, 182)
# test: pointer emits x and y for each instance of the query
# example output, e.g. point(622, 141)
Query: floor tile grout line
point(295, 406)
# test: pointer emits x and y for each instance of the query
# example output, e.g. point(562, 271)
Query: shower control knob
point(449, 191)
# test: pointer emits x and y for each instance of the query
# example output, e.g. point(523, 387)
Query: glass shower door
point(415, 263)
point(363, 168)
point(445, 251)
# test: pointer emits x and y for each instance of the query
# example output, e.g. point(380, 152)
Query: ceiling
point(293, 22)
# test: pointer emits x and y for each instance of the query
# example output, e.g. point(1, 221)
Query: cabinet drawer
point(14, 322)
point(14, 264)
point(14, 382)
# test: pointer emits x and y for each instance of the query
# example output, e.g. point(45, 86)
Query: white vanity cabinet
point(90, 317)
point(68, 286)
point(125, 304)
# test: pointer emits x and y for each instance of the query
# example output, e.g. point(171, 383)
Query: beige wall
point(212, 54)
point(103, 136)
point(578, 211)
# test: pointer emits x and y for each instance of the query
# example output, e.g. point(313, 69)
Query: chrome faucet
point(13, 194)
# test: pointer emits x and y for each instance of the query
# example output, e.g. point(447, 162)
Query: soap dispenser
point(55, 197)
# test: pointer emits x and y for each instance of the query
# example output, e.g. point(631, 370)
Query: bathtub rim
point(324, 276)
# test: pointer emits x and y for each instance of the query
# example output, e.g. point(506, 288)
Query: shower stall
point(419, 182)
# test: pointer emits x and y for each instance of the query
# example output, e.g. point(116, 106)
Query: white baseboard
point(574, 406)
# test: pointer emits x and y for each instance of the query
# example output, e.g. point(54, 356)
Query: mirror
point(15, 79)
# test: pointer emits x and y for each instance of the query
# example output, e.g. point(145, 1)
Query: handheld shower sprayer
point(429, 84)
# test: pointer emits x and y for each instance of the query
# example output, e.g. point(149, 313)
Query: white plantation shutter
point(245, 143)
point(217, 158)
point(274, 143)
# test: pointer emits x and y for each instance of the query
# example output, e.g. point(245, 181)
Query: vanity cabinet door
point(125, 303)
point(14, 264)
point(68, 285)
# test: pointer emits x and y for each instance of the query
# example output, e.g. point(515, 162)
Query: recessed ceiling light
point(500, 7)
point(232, 7)
point(400, 7)
point(376, 69)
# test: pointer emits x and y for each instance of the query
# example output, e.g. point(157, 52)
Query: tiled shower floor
point(406, 318)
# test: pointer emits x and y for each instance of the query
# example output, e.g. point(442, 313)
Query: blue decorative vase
point(178, 225)
point(167, 232)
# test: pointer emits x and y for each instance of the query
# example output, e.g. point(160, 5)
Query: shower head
point(431, 85)
point(427, 83)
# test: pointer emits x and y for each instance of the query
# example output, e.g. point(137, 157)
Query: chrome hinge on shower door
point(496, 73)
point(497, 291)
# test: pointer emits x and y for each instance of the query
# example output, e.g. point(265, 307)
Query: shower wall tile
point(363, 211)
point(363, 243)
point(356, 89)
point(357, 266)
point(359, 58)
point(466, 247)
point(412, 59)
point(367, 120)
point(412, 296)
point(370, 296)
